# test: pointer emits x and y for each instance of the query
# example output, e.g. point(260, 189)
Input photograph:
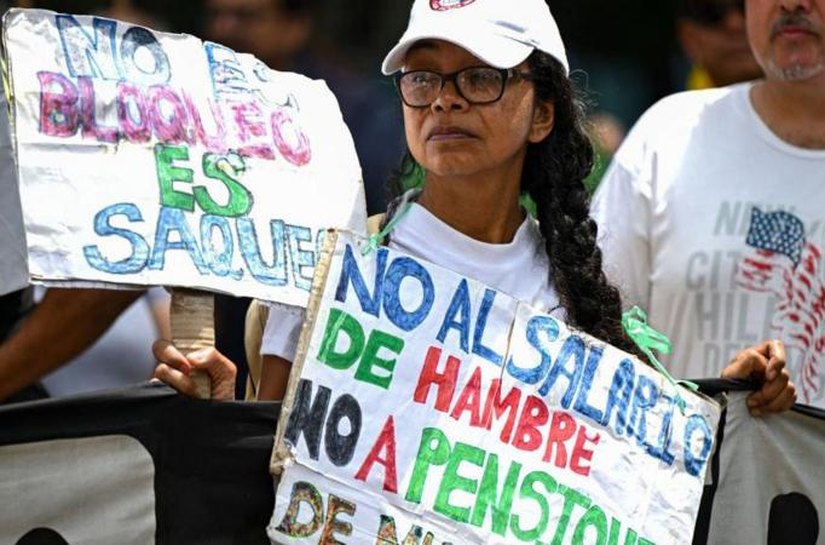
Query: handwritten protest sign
point(13, 272)
point(154, 158)
point(429, 408)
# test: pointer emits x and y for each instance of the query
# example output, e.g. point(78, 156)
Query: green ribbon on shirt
point(648, 339)
point(377, 239)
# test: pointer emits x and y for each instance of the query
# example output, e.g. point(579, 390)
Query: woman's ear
point(544, 115)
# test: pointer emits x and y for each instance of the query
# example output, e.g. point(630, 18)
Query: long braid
point(554, 173)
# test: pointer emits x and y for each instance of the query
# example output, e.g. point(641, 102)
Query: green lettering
point(370, 360)
point(527, 491)
point(615, 532)
point(434, 449)
point(341, 322)
point(225, 169)
point(452, 481)
point(594, 518)
point(168, 174)
point(571, 497)
point(488, 495)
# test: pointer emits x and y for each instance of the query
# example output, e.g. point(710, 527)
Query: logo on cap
point(444, 5)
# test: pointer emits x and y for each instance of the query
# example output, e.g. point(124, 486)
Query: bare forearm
point(274, 378)
point(61, 327)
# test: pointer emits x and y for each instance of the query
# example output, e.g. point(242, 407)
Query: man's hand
point(176, 370)
point(764, 363)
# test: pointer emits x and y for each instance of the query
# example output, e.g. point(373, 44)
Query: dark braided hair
point(553, 178)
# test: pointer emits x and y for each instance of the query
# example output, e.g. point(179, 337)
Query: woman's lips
point(448, 133)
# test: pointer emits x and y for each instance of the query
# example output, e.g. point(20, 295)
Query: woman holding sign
point(490, 116)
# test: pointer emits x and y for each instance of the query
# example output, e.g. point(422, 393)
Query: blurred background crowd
point(625, 55)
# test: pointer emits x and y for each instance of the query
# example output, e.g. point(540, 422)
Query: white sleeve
point(621, 208)
point(283, 327)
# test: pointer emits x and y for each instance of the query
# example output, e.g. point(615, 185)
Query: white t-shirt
point(519, 269)
point(716, 227)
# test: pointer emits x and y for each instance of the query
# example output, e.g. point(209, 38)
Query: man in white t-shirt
point(712, 215)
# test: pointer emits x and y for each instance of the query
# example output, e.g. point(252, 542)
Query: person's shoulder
point(669, 124)
point(684, 108)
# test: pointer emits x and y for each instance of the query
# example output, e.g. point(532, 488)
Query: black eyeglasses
point(477, 84)
point(711, 12)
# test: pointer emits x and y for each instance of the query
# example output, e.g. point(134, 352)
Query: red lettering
point(533, 415)
point(580, 452)
point(562, 429)
point(470, 400)
point(386, 445)
point(495, 407)
point(445, 382)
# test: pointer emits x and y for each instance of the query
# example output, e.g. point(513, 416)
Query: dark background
point(624, 54)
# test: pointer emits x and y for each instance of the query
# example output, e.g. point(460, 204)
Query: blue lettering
point(351, 275)
point(87, 56)
point(274, 275)
point(619, 397)
point(300, 258)
point(228, 78)
point(644, 398)
point(661, 450)
point(136, 261)
point(694, 464)
point(401, 268)
point(582, 406)
point(159, 72)
point(460, 305)
point(481, 326)
point(172, 220)
point(573, 348)
point(218, 256)
point(536, 325)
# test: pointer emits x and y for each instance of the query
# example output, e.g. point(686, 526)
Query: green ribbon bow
point(377, 239)
point(648, 339)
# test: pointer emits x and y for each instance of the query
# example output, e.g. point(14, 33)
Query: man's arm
point(61, 327)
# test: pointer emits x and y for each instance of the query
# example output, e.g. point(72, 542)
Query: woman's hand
point(765, 363)
point(176, 370)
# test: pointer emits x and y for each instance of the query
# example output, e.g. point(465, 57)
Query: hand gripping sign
point(148, 158)
point(426, 407)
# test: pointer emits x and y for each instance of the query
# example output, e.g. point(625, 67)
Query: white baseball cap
point(502, 33)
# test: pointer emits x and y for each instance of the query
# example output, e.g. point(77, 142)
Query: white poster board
point(427, 407)
point(149, 158)
point(14, 274)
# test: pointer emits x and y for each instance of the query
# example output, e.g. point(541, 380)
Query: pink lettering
point(130, 101)
point(58, 105)
point(168, 115)
point(290, 139)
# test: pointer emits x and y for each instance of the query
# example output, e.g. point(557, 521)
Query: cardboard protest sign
point(154, 158)
point(13, 272)
point(428, 408)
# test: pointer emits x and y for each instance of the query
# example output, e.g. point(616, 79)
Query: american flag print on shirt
point(782, 262)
